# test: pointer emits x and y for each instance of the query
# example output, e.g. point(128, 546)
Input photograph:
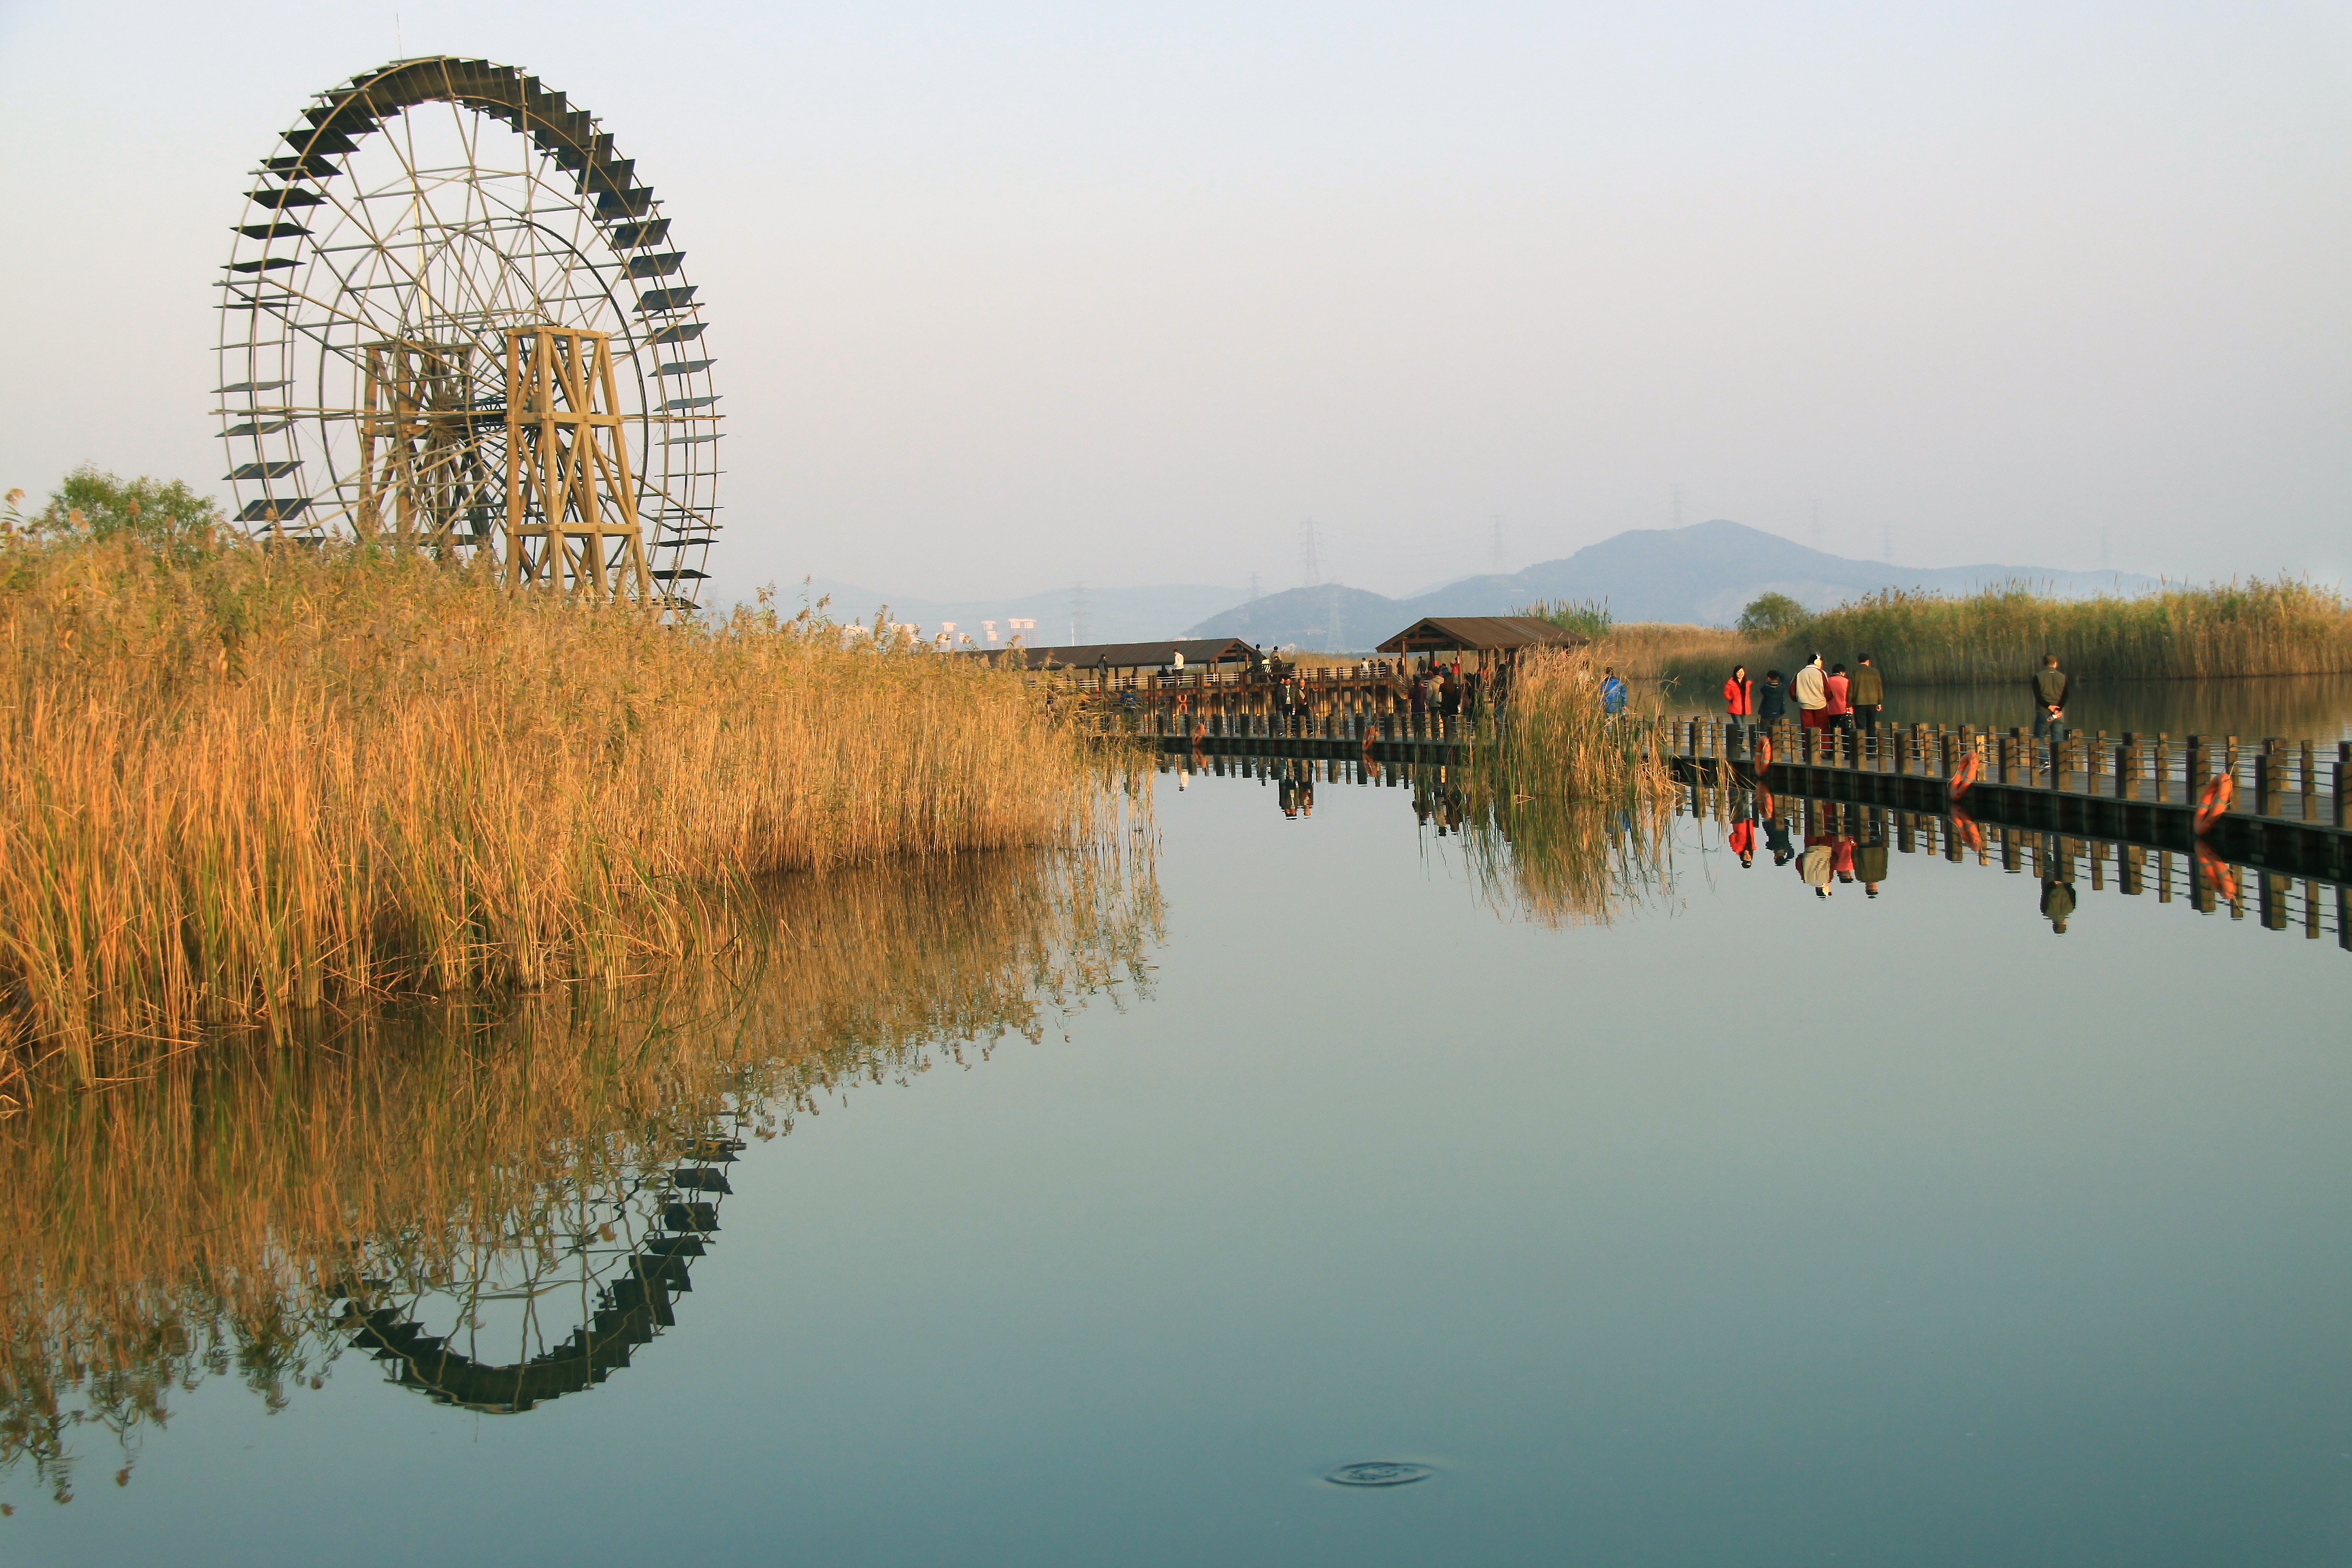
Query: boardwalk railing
point(2295, 781)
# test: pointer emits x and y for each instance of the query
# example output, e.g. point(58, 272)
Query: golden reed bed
point(236, 780)
point(2281, 627)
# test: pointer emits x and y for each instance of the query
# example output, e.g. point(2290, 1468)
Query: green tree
point(95, 504)
point(1772, 615)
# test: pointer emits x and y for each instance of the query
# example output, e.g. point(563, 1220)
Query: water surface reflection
point(503, 1204)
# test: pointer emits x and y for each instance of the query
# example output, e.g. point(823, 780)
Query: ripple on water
point(1378, 1473)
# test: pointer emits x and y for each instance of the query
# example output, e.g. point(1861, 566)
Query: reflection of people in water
point(2057, 886)
point(1870, 857)
point(1743, 834)
point(1776, 832)
point(1296, 793)
point(1818, 863)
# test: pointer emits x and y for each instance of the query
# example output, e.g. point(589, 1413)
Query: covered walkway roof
point(1432, 634)
point(1200, 651)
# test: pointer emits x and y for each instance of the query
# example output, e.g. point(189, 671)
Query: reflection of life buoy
point(1971, 769)
point(2216, 872)
point(1970, 834)
point(2220, 791)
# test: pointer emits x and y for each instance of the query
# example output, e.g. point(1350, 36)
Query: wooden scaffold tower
point(571, 504)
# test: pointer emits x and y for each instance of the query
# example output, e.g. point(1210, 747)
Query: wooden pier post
point(2274, 896)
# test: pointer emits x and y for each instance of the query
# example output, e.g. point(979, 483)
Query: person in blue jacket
point(1613, 692)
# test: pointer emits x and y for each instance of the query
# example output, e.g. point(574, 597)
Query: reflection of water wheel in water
point(605, 1261)
point(452, 317)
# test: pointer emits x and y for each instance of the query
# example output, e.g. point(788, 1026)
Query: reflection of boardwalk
point(2048, 842)
point(2287, 814)
point(628, 1294)
point(2069, 865)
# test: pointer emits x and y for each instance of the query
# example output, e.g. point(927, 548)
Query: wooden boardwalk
point(2287, 815)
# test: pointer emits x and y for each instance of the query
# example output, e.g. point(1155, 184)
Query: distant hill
point(1705, 573)
point(1329, 617)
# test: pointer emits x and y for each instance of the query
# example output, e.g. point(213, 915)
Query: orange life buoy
point(1763, 751)
point(2220, 791)
point(2216, 870)
point(1972, 768)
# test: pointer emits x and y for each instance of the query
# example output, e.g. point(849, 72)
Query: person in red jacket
point(1839, 715)
point(1740, 694)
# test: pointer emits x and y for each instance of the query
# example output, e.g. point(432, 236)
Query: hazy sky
point(1009, 295)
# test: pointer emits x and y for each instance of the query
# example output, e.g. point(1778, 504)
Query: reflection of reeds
point(200, 1219)
point(235, 781)
point(1567, 805)
point(1568, 862)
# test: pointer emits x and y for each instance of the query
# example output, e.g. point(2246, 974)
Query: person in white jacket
point(1813, 694)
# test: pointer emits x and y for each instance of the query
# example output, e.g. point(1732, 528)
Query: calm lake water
point(1712, 1223)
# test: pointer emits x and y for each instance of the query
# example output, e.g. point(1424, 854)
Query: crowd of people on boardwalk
point(1831, 697)
point(1849, 842)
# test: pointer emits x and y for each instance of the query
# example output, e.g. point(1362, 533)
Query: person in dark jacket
point(2050, 689)
point(1772, 701)
point(1868, 694)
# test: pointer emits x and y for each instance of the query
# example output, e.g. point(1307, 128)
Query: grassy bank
point(2281, 627)
point(205, 1221)
point(236, 780)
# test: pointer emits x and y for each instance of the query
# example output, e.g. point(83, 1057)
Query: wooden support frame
point(572, 498)
point(419, 446)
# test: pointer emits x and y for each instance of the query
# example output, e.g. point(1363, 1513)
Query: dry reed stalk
point(1554, 740)
point(200, 1220)
point(235, 781)
point(1651, 650)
